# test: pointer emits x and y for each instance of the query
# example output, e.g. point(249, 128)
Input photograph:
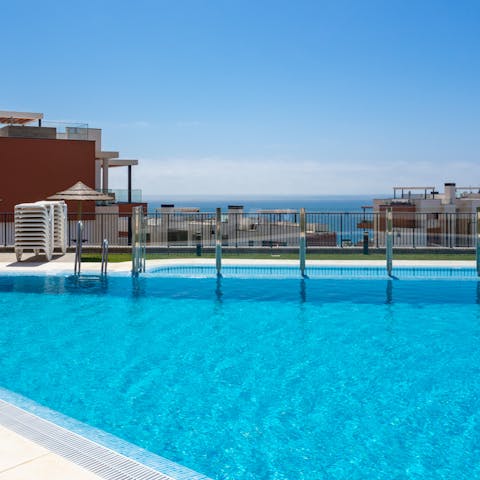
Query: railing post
point(138, 241)
point(450, 233)
point(303, 241)
point(218, 241)
point(389, 239)
point(134, 241)
point(129, 229)
point(78, 249)
point(198, 247)
point(168, 226)
point(236, 230)
point(270, 241)
point(472, 239)
point(341, 230)
point(478, 241)
point(143, 239)
point(414, 224)
point(104, 265)
point(365, 242)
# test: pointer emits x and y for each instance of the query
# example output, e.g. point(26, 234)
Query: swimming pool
point(242, 378)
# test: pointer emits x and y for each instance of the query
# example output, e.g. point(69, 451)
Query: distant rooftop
point(413, 188)
point(405, 194)
point(19, 118)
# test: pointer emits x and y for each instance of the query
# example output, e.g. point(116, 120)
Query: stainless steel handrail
point(303, 241)
point(477, 249)
point(78, 248)
point(104, 257)
point(389, 240)
point(218, 241)
point(138, 240)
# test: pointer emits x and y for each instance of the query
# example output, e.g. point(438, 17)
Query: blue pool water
point(259, 379)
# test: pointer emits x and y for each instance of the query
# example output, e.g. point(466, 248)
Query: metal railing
point(389, 240)
point(78, 248)
point(138, 241)
point(68, 130)
point(121, 195)
point(218, 240)
point(271, 231)
point(104, 266)
point(303, 241)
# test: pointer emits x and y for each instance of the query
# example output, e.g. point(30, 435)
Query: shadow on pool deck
point(34, 260)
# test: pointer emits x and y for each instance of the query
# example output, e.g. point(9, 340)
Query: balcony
point(121, 195)
point(49, 130)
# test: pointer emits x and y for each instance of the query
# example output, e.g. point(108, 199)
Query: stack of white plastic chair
point(40, 227)
point(60, 224)
point(61, 227)
point(34, 229)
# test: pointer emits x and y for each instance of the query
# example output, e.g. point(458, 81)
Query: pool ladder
point(78, 252)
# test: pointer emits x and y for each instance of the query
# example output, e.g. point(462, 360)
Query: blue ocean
point(320, 203)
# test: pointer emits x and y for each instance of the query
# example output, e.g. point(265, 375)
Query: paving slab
point(22, 459)
point(16, 450)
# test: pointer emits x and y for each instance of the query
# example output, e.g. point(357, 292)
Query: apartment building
point(425, 217)
point(39, 158)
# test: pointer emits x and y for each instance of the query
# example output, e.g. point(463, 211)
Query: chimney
point(235, 213)
point(167, 208)
point(450, 193)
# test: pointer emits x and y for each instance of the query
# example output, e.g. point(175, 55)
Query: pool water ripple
point(259, 379)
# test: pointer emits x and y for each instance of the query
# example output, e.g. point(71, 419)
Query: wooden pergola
point(19, 118)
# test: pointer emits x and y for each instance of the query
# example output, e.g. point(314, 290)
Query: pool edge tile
point(43, 425)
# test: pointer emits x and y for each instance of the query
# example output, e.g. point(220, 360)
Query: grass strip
point(126, 257)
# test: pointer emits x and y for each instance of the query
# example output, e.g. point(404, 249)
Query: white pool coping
point(64, 264)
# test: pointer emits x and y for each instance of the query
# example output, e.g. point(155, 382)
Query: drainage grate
point(90, 455)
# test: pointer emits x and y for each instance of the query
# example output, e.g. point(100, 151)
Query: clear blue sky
point(315, 97)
